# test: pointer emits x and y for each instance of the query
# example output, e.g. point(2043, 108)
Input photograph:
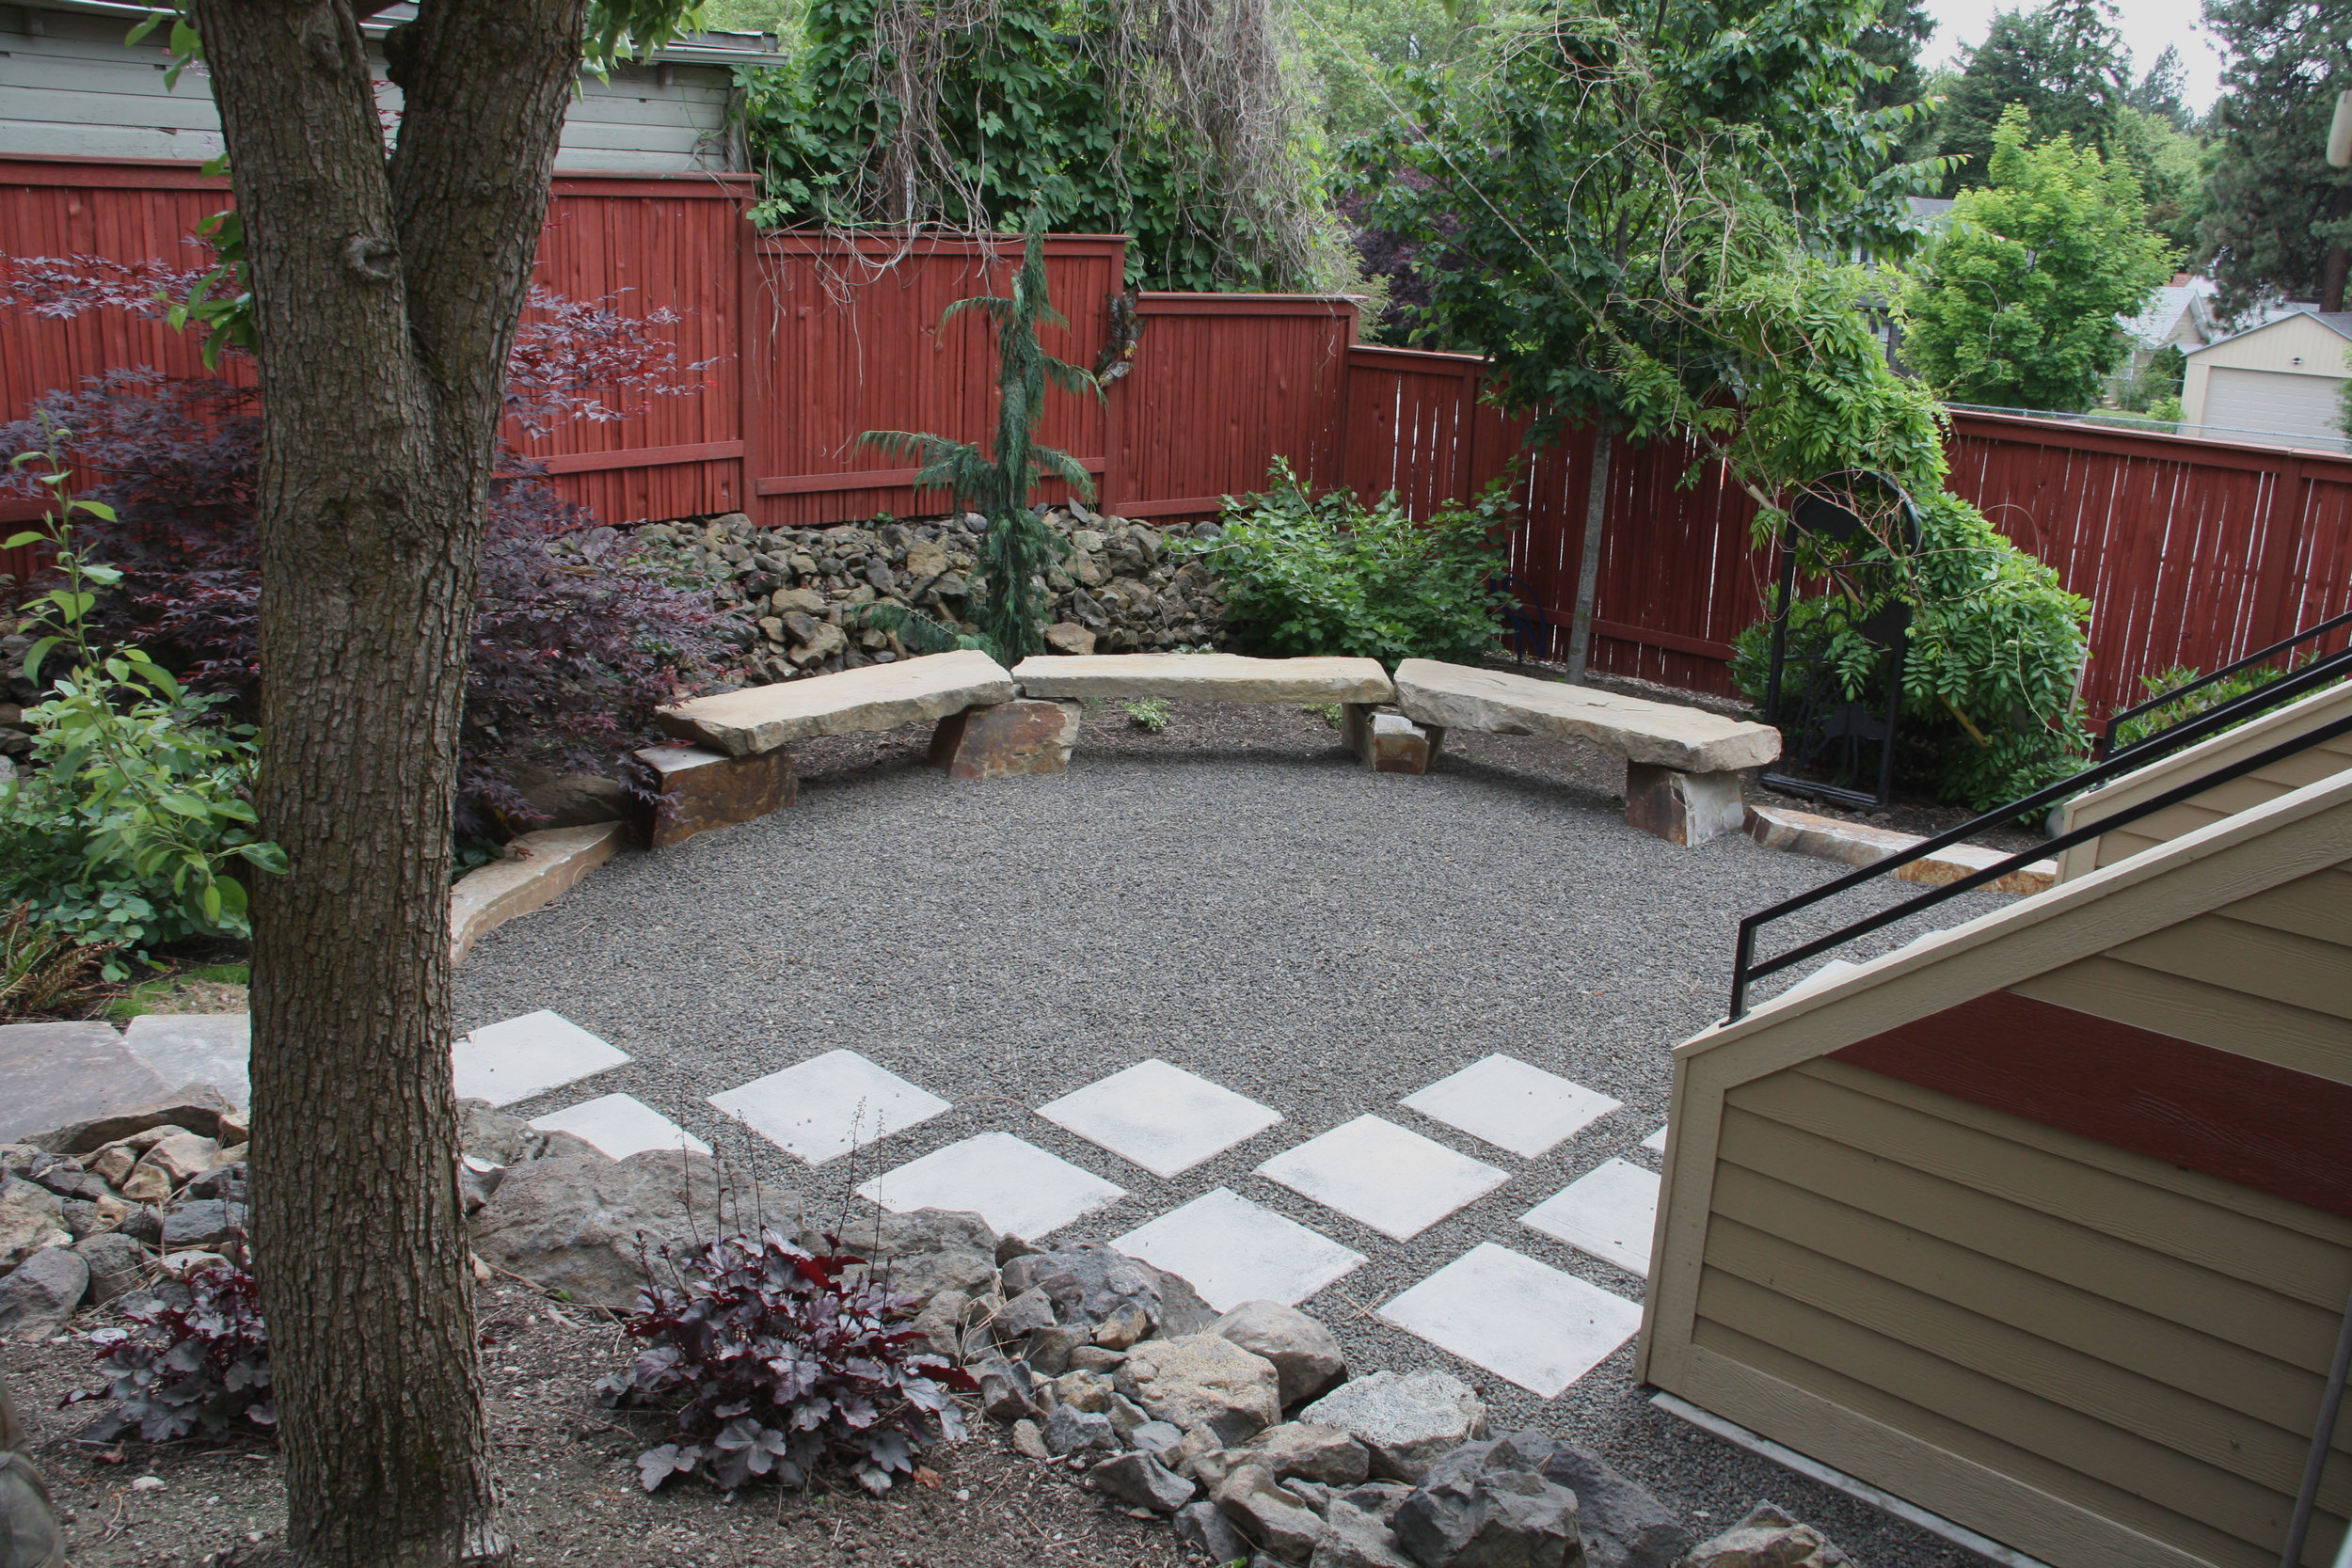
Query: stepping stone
point(1511, 1105)
point(1159, 1117)
point(1656, 1141)
point(620, 1125)
point(56, 1073)
point(1205, 678)
point(1520, 1320)
point(1230, 1250)
point(879, 697)
point(828, 1105)
point(1664, 734)
point(197, 1047)
point(1017, 1187)
point(1608, 1212)
point(505, 1062)
point(1398, 1182)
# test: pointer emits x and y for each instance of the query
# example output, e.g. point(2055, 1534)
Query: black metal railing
point(2117, 721)
point(1747, 969)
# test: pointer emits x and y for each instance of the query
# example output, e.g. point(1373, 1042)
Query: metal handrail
point(2116, 720)
point(1746, 969)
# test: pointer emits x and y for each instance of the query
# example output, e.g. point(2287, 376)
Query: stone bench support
point(1682, 764)
point(706, 789)
point(1006, 740)
point(1387, 742)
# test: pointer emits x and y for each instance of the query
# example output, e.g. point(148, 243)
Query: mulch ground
point(571, 1477)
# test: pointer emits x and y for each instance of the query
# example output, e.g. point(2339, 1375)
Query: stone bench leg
point(710, 789)
point(1683, 808)
point(1386, 740)
point(1004, 741)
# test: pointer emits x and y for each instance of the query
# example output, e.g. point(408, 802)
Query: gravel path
point(1233, 895)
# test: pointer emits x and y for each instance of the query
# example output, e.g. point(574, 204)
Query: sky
point(2147, 27)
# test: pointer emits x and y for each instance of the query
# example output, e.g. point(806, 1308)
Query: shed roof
point(2337, 321)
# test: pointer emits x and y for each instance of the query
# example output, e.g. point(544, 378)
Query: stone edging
point(1827, 838)
point(541, 869)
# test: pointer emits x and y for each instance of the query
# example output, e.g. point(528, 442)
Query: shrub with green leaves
point(2205, 699)
point(1989, 678)
point(1327, 575)
point(135, 807)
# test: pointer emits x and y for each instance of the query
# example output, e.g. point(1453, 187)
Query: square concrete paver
point(1398, 1182)
point(53, 1073)
point(1511, 1105)
point(1656, 1141)
point(197, 1047)
point(1520, 1320)
point(824, 1107)
point(1230, 1251)
point(505, 1062)
point(1017, 1187)
point(1159, 1117)
point(620, 1125)
point(1609, 1213)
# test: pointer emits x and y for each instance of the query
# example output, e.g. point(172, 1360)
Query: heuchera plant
point(570, 658)
point(780, 1364)
point(196, 1368)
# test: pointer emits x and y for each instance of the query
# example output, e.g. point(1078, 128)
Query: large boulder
point(31, 1218)
point(1278, 1522)
point(1406, 1422)
point(1302, 1449)
point(115, 1263)
point(42, 1292)
point(1488, 1505)
point(198, 1108)
point(1141, 1481)
point(1355, 1538)
point(1203, 1381)
point(1305, 1354)
point(1768, 1538)
point(1088, 1282)
point(924, 1252)
point(580, 1223)
point(1624, 1526)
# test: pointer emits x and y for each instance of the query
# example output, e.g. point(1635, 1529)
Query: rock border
point(1828, 838)
point(541, 867)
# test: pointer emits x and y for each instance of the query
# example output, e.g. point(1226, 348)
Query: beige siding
point(2059, 1311)
point(2288, 774)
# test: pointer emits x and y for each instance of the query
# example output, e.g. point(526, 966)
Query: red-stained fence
point(2191, 552)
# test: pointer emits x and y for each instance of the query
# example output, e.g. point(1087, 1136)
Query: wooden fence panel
point(844, 338)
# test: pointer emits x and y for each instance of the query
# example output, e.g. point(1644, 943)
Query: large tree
point(2280, 220)
point(386, 291)
point(2016, 302)
point(1602, 176)
point(2064, 62)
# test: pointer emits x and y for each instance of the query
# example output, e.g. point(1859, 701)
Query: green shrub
point(1328, 575)
point(1989, 679)
point(124, 831)
point(2158, 720)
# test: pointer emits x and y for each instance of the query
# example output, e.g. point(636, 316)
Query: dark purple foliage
point(782, 1365)
point(1384, 253)
point(195, 1367)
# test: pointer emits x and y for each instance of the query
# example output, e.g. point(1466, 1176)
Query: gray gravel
point(1235, 895)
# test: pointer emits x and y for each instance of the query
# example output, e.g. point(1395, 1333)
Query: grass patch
point(199, 989)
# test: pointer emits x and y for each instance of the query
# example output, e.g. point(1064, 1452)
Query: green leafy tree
point(2015, 304)
point(2173, 167)
point(2063, 62)
point(1892, 44)
point(1355, 48)
point(2162, 90)
point(2279, 224)
point(1018, 547)
point(1600, 172)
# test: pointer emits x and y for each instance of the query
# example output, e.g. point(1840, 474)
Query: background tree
point(386, 293)
point(1892, 43)
point(2280, 221)
point(2015, 304)
point(2063, 62)
point(2161, 91)
point(1595, 172)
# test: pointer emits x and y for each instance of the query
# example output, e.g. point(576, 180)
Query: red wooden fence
point(2191, 552)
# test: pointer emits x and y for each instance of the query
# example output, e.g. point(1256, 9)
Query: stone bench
point(762, 718)
point(1204, 678)
point(1682, 764)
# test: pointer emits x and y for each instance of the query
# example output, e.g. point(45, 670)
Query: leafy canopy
point(2015, 304)
point(2279, 218)
point(2063, 61)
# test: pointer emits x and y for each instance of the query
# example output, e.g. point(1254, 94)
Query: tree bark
point(2336, 268)
point(386, 293)
point(1588, 571)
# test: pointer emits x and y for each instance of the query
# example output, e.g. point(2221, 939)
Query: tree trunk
point(386, 295)
point(1588, 572)
point(2335, 269)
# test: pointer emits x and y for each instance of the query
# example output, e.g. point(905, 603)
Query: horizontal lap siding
point(2083, 1320)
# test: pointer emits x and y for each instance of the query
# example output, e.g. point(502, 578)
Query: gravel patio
point(1238, 897)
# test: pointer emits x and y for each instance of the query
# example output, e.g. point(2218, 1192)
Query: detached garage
point(2277, 383)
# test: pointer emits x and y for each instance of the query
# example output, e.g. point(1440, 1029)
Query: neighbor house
point(2280, 383)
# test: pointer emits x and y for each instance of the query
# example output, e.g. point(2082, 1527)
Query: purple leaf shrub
point(198, 1367)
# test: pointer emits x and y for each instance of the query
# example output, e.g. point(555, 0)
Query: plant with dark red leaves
point(196, 1367)
point(780, 1363)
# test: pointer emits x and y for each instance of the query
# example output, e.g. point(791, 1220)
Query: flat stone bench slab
point(1662, 734)
point(1205, 678)
point(760, 718)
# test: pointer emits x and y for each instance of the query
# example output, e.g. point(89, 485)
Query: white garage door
point(2306, 407)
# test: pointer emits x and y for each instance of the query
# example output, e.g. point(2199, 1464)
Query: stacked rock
point(89, 1211)
point(800, 598)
